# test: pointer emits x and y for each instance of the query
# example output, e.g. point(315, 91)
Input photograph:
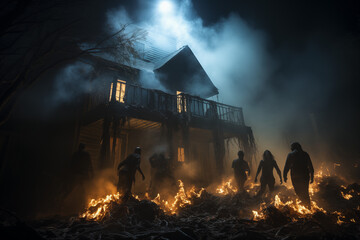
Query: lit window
point(181, 102)
point(181, 154)
point(111, 88)
point(120, 91)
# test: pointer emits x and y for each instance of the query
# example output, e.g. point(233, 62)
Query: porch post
point(114, 88)
point(105, 144)
point(218, 137)
point(116, 123)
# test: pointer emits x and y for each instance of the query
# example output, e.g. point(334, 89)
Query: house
point(173, 116)
point(160, 103)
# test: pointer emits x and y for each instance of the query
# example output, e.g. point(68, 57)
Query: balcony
point(132, 97)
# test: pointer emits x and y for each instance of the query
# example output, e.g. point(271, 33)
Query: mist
point(280, 91)
point(284, 90)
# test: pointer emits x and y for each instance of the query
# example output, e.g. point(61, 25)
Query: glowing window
point(111, 89)
point(181, 154)
point(120, 91)
point(181, 102)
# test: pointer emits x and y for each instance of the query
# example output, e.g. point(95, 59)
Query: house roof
point(181, 71)
point(164, 60)
point(177, 71)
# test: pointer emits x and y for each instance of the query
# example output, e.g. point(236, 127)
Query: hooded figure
point(240, 167)
point(302, 172)
point(267, 166)
point(126, 172)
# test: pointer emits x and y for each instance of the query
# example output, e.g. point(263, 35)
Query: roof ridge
point(161, 62)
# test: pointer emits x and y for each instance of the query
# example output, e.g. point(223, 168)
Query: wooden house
point(178, 119)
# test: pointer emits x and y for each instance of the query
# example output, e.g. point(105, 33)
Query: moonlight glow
point(165, 7)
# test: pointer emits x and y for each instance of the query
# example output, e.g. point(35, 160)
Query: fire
point(226, 188)
point(181, 199)
point(97, 209)
point(346, 196)
point(300, 210)
point(296, 207)
point(339, 216)
point(258, 215)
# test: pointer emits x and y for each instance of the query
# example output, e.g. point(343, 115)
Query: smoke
point(148, 79)
point(282, 91)
point(231, 52)
point(103, 184)
point(71, 82)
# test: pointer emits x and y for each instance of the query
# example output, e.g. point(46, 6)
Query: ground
point(203, 215)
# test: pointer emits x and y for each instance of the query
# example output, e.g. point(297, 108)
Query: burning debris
point(220, 213)
point(100, 209)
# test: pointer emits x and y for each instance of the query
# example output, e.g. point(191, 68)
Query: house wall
point(198, 169)
point(202, 154)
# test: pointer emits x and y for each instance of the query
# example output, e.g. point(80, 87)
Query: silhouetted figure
point(83, 172)
point(126, 172)
point(240, 167)
point(154, 163)
point(267, 166)
point(82, 166)
point(302, 171)
point(161, 175)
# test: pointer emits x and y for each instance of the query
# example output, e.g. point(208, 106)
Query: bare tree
point(36, 36)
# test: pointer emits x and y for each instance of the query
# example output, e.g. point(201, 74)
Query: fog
point(278, 94)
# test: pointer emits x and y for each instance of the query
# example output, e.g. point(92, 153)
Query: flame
point(181, 199)
point(300, 210)
point(226, 188)
point(339, 216)
point(258, 215)
point(97, 209)
point(346, 196)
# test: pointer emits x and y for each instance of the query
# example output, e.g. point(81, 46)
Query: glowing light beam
point(165, 7)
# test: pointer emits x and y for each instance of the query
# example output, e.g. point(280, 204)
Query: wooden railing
point(157, 100)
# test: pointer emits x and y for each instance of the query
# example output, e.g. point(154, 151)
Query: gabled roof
point(161, 62)
point(181, 71)
point(177, 71)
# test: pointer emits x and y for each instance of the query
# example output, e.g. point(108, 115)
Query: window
point(111, 89)
point(120, 91)
point(181, 102)
point(181, 154)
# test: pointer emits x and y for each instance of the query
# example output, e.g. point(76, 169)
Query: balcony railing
point(156, 100)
